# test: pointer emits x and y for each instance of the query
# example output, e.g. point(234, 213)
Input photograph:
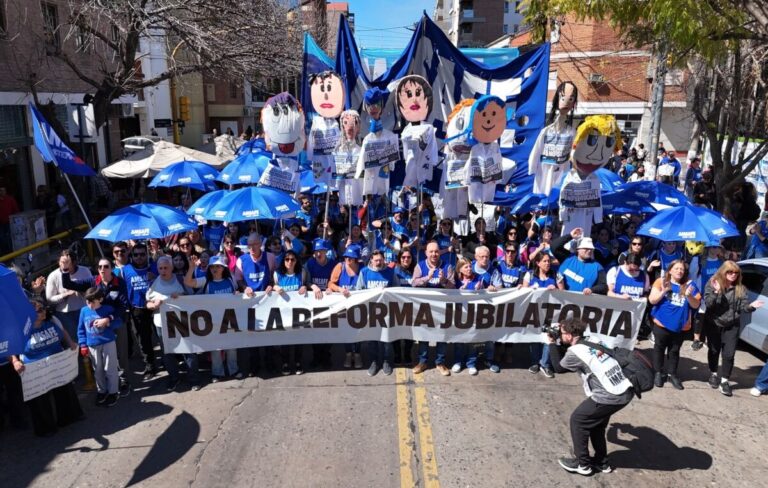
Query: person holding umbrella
point(726, 300)
point(673, 298)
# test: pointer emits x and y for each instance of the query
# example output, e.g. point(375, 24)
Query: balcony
point(468, 16)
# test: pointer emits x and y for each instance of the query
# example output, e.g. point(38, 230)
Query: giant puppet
point(346, 156)
point(595, 142)
point(327, 95)
point(283, 122)
point(548, 160)
point(487, 122)
point(453, 187)
point(380, 149)
point(414, 102)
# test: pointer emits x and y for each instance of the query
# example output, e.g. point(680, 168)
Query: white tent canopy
point(149, 162)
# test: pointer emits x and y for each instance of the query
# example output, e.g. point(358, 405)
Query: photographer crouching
point(606, 387)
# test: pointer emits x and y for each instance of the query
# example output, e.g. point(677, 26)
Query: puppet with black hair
point(346, 156)
point(414, 102)
point(327, 95)
point(380, 149)
point(548, 160)
point(283, 121)
point(487, 122)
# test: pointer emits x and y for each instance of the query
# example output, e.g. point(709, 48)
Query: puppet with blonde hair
point(595, 142)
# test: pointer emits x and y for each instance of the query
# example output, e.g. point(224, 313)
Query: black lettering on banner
point(448, 321)
point(229, 321)
point(320, 323)
point(549, 311)
point(251, 319)
point(377, 314)
point(359, 321)
point(301, 318)
point(469, 319)
point(485, 316)
point(606, 324)
point(623, 325)
point(591, 316)
point(275, 320)
point(194, 322)
point(335, 318)
point(569, 310)
point(176, 323)
point(424, 316)
point(531, 316)
point(509, 317)
point(400, 314)
point(499, 315)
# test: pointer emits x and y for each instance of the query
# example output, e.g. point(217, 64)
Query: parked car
point(754, 326)
point(138, 143)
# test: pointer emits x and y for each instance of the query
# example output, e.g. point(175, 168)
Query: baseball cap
point(320, 245)
point(352, 252)
point(398, 210)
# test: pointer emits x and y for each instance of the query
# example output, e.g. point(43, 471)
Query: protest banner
point(279, 179)
point(455, 174)
point(42, 376)
point(211, 322)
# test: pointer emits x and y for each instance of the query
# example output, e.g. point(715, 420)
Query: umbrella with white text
point(142, 221)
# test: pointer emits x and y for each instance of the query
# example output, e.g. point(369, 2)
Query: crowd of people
point(111, 311)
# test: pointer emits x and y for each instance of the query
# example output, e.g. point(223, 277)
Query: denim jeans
point(540, 354)
point(424, 352)
point(380, 351)
point(468, 353)
point(217, 364)
point(761, 383)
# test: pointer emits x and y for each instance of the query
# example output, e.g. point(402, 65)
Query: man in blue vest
point(581, 272)
point(374, 276)
point(138, 275)
point(320, 269)
point(433, 273)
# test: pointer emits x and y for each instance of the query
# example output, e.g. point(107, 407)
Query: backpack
point(637, 368)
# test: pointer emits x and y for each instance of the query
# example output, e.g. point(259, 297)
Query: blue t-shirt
point(633, 286)
point(320, 274)
point(370, 279)
point(346, 280)
point(43, 342)
point(214, 235)
point(89, 335)
point(578, 275)
point(673, 311)
point(390, 255)
point(435, 281)
point(510, 276)
point(476, 283)
point(535, 282)
point(708, 269)
point(255, 274)
point(288, 282)
point(405, 276)
point(137, 283)
point(220, 287)
point(444, 242)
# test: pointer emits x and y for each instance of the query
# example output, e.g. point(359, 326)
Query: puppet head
point(488, 120)
point(564, 99)
point(283, 123)
point(350, 125)
point(595, 142)
point(374, 101)
point(327, 93)
point(457, 133)
point(414, 98)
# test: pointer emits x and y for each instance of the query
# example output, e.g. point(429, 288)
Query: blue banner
point(521, 83)
point(53, 150)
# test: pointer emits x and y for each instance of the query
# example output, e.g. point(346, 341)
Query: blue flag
point(18, 314)
point(53, 150)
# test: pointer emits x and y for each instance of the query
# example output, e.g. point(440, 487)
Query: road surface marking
point(404, 432)
point(426, 439)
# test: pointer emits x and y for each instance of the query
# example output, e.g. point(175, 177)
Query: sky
point(382, 23)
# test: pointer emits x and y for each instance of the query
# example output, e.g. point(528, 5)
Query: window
point(114, 33)
point(51, 25)
point(505, 30)
point(3, 21)
point(506, 8)
point(82, 40)
point(515, 28)
point(753, 277)
point(517, 6)
point(232, 89)
point(552, 82)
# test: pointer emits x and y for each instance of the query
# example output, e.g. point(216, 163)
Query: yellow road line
point(426, 439)
point(405, 435)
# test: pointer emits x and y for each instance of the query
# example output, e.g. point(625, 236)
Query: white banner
point(277, 178)
point(42, 376)
point(210, 322)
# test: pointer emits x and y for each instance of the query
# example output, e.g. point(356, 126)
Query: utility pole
point(657, 102)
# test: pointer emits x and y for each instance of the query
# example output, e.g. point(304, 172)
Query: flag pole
point(82, 209)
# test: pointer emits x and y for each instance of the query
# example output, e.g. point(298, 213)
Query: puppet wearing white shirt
point(580, 201)
point(453, 187)
point(549, 157)
point(283, 121)
point(346, 158)
point(488, 120)
point(327, 95)
point(414, 102)
point(380, 149)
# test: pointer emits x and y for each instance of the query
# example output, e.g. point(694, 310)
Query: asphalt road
point(344, 429)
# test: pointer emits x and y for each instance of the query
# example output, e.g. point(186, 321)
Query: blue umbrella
point(310, 186)
point(245, 169)
point(653, 192)
point(206, 202)
point(609, 183)
point(18, 314)
point(142, 221)
point(688, 223)
point(535, 201)
point(192, 174)
point(254, 146)
point(622, 202)
point(252, 203)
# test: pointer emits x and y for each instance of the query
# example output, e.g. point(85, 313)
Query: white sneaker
point(456, 368)
point(348, 360)
point(755, 392)
point(472, 371)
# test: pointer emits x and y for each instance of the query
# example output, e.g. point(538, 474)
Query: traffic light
point(184, 108)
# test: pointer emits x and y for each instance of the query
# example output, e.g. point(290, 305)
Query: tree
point(228, 39)
point(724, 46)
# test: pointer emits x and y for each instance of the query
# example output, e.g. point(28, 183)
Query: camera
point(552, 330)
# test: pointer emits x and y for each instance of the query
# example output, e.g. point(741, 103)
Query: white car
point(138, 143)
point(754, 326)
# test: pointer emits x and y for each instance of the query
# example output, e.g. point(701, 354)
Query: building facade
point(475, 23)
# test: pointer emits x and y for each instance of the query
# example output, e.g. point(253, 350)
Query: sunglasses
point(732, 272)
point(185, 244)
point(140, 255)
point(289, 260)
point(118, 251)
point(510, 251)
point(406, 256)
point(104, 266)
